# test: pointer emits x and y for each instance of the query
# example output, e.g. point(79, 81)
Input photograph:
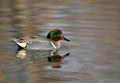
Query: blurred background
point(93, 26)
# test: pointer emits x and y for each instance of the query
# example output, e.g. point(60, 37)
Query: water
point(93, 26)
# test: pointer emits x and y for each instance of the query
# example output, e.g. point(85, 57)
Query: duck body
point(34, 43)
point(51, 42)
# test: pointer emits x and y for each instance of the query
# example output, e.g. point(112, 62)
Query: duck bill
point(66, 39)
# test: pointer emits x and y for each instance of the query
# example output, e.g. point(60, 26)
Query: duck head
point(56, 35)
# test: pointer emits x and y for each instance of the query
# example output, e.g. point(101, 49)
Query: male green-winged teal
point(50, 42)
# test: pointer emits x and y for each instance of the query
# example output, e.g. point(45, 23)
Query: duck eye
point(57, 33)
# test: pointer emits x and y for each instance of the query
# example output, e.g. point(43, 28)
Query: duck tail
point(20, 45)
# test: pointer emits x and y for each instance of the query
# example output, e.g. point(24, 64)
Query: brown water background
point(93, 26)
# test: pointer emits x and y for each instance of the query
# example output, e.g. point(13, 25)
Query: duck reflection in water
point(53, 57)
point(21, 53)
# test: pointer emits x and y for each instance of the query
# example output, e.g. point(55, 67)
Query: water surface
point(93, 26)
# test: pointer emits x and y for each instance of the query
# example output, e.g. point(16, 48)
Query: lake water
point(93, 26)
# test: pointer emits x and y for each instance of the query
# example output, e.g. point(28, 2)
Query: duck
point(50, 42)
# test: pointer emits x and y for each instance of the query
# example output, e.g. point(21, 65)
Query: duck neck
point(57, 44)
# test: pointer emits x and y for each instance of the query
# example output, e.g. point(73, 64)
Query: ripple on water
point(70, 65)
point(109, 81)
